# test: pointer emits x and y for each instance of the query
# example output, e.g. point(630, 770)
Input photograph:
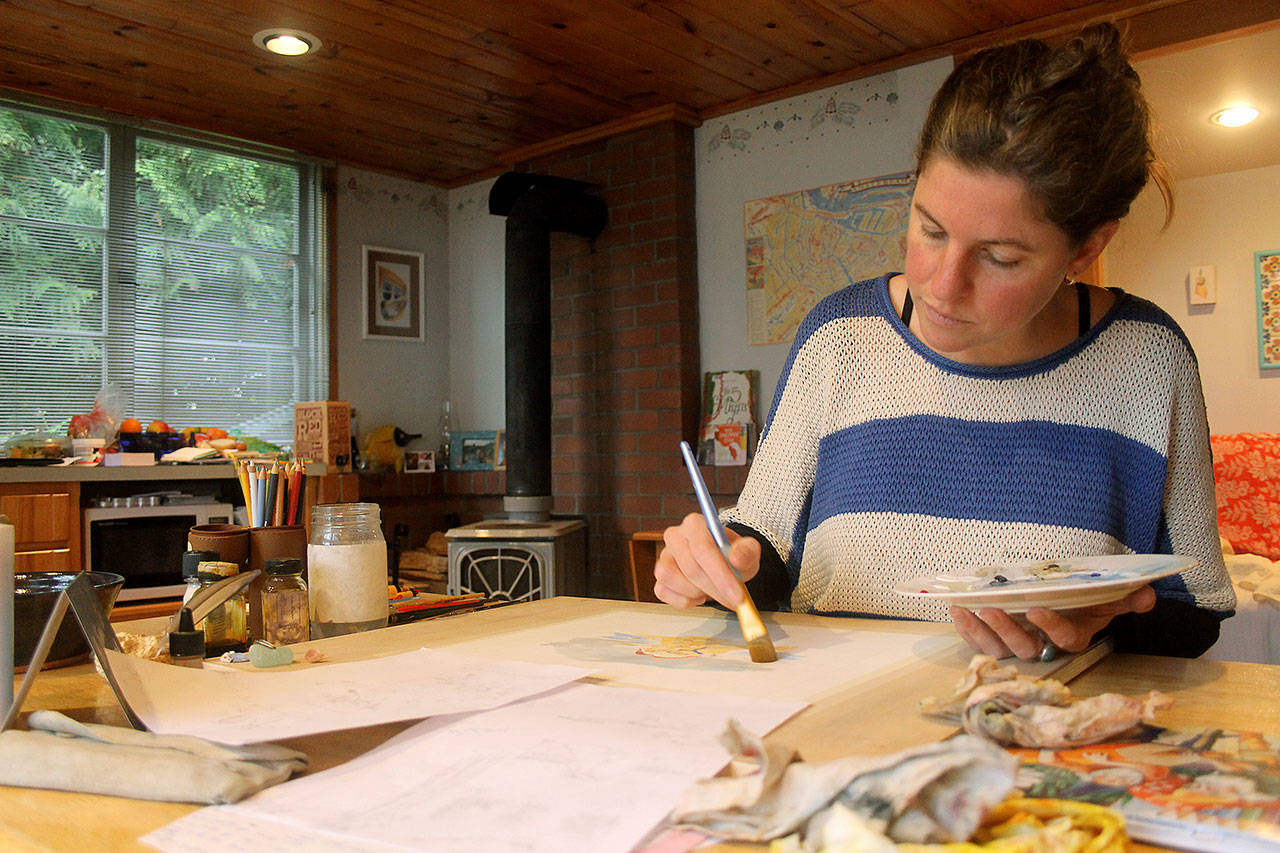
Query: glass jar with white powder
point(346, 569)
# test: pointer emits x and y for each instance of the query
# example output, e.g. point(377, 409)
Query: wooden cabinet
point(46, 521)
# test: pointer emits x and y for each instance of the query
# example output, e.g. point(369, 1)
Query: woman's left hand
point(996, 633)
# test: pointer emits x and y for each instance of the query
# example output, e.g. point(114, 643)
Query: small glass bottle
point(442, 455)
point(191, 561)
point(286, 617)
point(186, 645)
point(347, 569)
point(226, 628)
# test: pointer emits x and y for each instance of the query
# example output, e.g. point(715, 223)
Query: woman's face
point(985, 269)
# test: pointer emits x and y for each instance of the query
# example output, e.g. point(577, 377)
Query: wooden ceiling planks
point(445, 90)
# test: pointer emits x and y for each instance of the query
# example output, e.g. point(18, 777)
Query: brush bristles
point(759, 646)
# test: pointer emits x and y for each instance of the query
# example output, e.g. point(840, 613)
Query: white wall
point(783, 147)
point(780, 147)
point(477, 287)
point(389, 381)
point(1220, 220)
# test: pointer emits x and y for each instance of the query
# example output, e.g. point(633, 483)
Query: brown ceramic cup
point(231, 541)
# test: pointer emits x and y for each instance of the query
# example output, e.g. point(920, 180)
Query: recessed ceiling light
point(286, 42)
point(1235, 116)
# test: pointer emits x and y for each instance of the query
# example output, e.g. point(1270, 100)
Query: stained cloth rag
point(937, 792)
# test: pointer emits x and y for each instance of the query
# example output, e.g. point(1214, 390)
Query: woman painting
point(982, 406)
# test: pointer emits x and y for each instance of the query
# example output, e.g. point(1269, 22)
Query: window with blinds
point(186, 277)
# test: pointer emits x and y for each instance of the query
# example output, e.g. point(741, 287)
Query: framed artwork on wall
point(393, 295)
point(1202, 285)
point(474, 451)
point(1268, 269)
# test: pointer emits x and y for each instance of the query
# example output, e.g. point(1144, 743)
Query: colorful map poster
point(803, 246)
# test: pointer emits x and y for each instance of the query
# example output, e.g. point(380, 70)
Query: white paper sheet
point(703, 651)
point(584, 767)
point(248, 707)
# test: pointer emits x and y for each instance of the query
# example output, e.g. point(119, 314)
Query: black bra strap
point(1082, 297)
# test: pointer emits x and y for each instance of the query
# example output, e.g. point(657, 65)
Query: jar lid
point(191, 561)
point(284, 566)
point(217, 567)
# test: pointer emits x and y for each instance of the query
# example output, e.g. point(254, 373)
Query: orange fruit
point(131, 425)
point(158, 426)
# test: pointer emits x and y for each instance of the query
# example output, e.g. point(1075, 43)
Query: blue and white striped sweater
point(881, 460)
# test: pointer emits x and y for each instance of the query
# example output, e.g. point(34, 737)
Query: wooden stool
point(644, 547)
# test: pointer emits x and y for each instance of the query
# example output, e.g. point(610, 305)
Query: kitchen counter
point(127, 473)
point(45, 502)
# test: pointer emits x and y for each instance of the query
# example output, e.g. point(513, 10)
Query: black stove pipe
point(535, 206)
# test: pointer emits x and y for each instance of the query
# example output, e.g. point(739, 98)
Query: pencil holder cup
point(231, 541)
point(271, 543)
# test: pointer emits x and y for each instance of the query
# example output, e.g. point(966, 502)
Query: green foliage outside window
point(187, 277)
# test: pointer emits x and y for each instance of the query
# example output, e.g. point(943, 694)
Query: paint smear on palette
point(691, 651)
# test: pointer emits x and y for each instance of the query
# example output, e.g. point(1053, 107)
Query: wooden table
point(842, 720)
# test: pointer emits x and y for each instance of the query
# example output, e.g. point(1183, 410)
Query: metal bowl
point(34, 594)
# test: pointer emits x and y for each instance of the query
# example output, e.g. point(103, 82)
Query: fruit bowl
point(158, 443)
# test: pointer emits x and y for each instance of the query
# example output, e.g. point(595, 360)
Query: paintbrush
point(753, 630)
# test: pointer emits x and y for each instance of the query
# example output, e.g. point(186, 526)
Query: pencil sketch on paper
point(689, 651)
point(243, 707)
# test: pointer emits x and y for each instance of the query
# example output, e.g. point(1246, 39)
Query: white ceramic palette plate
point(1056, 584)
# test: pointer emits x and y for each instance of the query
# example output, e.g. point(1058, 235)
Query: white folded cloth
point(65, 755)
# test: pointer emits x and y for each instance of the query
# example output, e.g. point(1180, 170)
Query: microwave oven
point(145, 544)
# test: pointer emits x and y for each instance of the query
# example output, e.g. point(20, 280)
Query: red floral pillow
point(1246, 468)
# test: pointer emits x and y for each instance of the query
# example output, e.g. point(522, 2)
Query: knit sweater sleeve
point(1190, 515)
point(771, 587)
point(774, 503)
point(1189, 608)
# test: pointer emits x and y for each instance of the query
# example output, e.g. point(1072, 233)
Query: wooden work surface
point(878, 718)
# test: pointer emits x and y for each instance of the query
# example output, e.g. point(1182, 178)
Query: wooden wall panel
point(440, 91)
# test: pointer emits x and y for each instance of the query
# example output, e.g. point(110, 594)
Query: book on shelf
point(728, 433)
point(1208, 790)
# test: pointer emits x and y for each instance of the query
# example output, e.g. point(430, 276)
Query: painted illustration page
point(703, 651)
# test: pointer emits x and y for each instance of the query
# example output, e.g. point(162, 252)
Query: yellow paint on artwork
point(686, 647)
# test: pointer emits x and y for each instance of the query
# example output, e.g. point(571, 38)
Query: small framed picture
point(393, 296)
point(474, 451)
point(1202, 285)
point(501, 462)
point(419, 461)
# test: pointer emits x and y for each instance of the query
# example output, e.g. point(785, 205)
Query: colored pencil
point(252, 506)
point(269, 502)
point(243, 476)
